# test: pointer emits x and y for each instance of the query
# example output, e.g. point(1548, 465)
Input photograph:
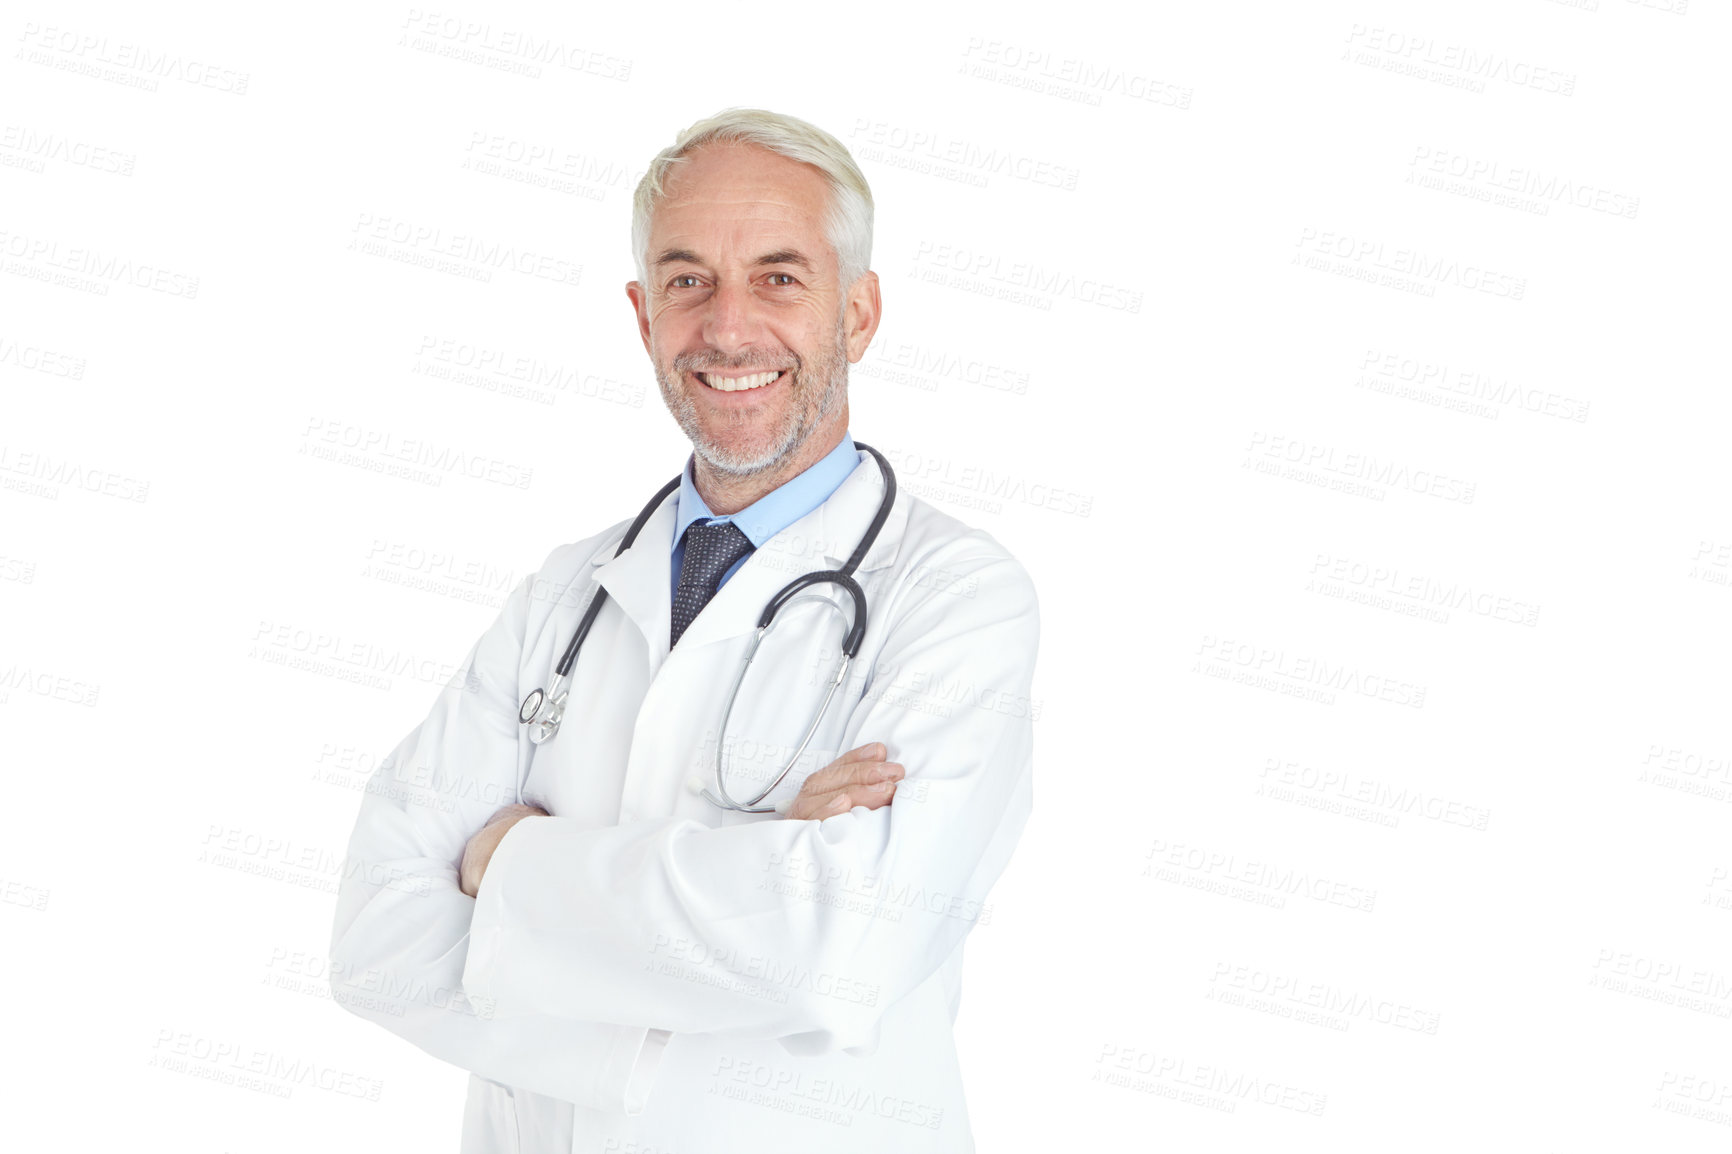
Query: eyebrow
point(785, 256)
point(780, 256)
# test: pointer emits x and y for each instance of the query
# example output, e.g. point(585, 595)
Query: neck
point(726, 493)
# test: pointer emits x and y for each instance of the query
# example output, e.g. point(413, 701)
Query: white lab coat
point(646, 972)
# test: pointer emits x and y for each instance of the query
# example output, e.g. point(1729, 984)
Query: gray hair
point(847, 220)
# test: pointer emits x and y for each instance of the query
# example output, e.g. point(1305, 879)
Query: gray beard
point(818, 390)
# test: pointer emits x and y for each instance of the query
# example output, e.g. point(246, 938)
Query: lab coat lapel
point(638, 580)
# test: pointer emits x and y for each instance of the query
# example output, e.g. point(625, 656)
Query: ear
point(640, 304)
point(860, 316)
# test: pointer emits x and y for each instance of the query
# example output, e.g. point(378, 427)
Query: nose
point(730, 317)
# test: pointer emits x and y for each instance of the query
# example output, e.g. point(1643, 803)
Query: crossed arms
point(575, 952)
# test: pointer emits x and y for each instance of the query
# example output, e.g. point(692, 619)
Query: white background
point(1350, 377)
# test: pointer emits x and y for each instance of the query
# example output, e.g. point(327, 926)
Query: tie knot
point(714, 543)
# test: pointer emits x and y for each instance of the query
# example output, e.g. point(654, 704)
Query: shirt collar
point(778, 508)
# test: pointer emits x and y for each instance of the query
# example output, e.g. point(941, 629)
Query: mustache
point(709, 362)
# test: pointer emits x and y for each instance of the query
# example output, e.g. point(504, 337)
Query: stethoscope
point(543, 711)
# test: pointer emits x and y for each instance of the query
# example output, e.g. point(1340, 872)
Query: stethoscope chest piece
point(542, 712)
point(546, 722)
point(531, 706)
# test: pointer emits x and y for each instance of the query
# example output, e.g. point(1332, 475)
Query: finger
point(862, 777)
point(807, 807)
point(814, 799)
point(874, 774)
point(833, 802)
point(872, 784)
point(861, 770)
point(871, 751)
point(838, 771)
point(876, 797)
point(846, 768)
point(872, 797)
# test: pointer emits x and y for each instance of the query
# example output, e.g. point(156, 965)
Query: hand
point(859, 777)
point(480, 849)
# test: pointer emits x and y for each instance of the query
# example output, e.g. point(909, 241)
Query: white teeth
point(738, 384)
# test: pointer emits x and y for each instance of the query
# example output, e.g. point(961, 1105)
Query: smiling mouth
point(740, 384)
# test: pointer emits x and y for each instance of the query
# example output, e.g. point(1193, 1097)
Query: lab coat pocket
point(489, 1118)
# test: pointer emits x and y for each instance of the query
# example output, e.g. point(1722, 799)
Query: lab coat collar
point(822, 539)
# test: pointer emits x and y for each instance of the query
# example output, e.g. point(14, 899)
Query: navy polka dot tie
point(710, 549)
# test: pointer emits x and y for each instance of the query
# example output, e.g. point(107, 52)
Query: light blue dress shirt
point(769, 514)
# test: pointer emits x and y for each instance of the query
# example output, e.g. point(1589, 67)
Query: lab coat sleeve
point(402, 926)
point(687, 928)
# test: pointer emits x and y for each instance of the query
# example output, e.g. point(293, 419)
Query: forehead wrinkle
point(743, 243)
point(741, 211)
point(784, 255)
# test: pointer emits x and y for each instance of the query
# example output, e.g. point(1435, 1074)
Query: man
point(622, 963)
